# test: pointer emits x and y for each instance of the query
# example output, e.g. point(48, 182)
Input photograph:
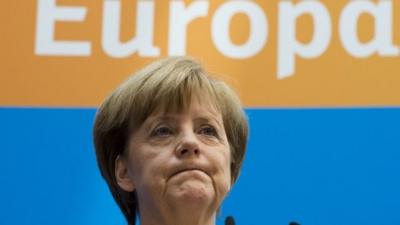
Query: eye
point(162, 131)
point(208, 131)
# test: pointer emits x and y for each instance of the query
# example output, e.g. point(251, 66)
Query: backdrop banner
point(276, 53)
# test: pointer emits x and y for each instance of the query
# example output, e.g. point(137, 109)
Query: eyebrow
point(209, 119)
point(172, 118)
point(149, 123)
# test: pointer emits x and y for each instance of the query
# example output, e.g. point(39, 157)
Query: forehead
point(197, 106)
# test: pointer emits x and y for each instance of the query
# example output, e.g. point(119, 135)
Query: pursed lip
point(188, 168)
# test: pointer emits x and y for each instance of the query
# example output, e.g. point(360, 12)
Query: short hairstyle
point(167, 84)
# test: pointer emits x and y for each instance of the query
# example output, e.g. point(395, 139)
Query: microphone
point(229, 220)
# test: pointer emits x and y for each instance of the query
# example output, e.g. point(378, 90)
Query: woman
point(170, 143)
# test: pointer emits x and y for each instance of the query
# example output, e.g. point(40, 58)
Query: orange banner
point(275, 53)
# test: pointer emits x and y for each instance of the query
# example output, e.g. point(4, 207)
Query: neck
point(178, 216)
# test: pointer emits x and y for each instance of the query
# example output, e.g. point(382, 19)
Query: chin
point(192, 195)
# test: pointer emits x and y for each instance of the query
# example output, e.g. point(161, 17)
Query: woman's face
point(178, 159)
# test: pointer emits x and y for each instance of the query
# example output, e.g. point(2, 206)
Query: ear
point(124, 180)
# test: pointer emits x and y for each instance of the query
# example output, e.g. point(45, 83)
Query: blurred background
point(319, 81)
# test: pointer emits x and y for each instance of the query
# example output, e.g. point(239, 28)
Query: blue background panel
point(313, 166)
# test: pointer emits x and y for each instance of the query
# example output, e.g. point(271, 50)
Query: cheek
point(228, 176)
point(224, 173)
point(148, 170)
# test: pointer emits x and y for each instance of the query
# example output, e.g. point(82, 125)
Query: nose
point(188, 145)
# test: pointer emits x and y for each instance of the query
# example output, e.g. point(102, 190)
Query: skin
point(179, 164)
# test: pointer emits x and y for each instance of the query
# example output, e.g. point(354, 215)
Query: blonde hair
point(168, 85)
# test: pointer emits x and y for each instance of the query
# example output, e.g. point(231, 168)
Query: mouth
point(179, 171)
point(187, 170)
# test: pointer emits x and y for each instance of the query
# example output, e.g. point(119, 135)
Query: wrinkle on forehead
point(204, 112)
point(181, 106)
point(174, 107)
